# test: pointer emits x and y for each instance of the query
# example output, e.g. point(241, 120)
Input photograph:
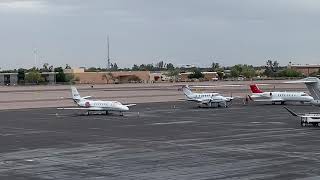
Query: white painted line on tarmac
point(175, 122)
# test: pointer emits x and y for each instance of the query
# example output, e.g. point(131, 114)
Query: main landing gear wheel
point(303, 124)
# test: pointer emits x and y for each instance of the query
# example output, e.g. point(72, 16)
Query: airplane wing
point(80, 108)
point(195, 100)
point(206, 101)
point(267, 100)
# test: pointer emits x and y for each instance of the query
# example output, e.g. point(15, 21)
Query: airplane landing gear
point(107, 112)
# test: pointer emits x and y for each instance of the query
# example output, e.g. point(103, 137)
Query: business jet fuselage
point(95, 105)
point(282, 97)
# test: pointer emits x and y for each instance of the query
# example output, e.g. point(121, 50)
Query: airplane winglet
point(290, 111)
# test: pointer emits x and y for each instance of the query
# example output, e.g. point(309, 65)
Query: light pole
point(35, 57)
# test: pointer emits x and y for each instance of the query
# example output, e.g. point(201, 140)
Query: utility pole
point(108, 58)
point(35, 57)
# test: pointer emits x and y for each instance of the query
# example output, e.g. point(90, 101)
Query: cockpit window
point(117, 103)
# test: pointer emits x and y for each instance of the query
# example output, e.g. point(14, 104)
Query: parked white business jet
point(96, 105)
point(282, 97)
point(313, 85)
point(208, 99)
point(307, 119)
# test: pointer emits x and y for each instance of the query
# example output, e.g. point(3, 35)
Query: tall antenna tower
point(108, 58)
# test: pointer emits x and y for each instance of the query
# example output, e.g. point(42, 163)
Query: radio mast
point(108, 58)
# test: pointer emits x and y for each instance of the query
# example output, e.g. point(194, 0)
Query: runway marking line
point(175, 122)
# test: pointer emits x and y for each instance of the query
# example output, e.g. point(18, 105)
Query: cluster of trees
point(34, 76)
point(160, 66)
point(271, 69)
point(244, 70)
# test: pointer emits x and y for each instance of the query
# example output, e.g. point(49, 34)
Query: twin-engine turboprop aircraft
point(282, 97)
point(208, 99)
point(96, 105)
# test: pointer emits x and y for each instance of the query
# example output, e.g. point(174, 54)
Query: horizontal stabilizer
point(129, 105)
point(86, 97)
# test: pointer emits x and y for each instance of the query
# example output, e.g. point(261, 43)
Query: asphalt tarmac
point(173, 140)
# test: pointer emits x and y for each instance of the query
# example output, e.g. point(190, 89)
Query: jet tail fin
point(75, 94)
point(313, 84)
point(255, 89)
point(290, 111)
point(187, 91)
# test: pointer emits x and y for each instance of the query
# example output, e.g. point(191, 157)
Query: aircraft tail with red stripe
point(255, 89)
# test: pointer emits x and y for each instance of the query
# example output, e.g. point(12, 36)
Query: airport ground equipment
point(306, 119)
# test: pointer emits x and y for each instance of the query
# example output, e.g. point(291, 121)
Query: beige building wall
point(112, 77)
point(75, 70)
point(306, 70)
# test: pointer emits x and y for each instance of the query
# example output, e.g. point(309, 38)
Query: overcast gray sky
point(146, 31)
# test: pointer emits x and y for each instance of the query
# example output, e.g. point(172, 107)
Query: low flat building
point(8, 79)
point(306, 69)
point(74, 70)
point(112, 77)
point(49, 77)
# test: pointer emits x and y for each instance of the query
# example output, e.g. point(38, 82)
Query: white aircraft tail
point(313, 84)
point(187, 91)
point(75, 94)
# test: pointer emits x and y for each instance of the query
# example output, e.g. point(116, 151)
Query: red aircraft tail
point(255, 89)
